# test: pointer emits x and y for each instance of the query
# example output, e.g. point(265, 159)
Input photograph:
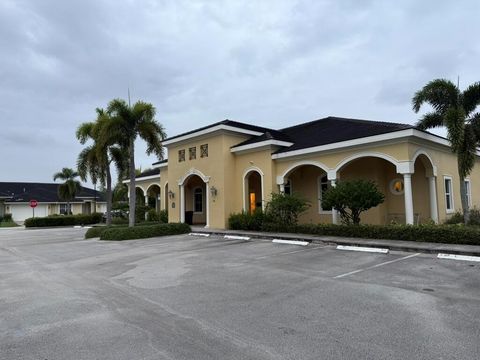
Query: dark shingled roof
point(224, 122)
point(26, 191)
point(164, 161)
point(335, 129)
point(269, 135)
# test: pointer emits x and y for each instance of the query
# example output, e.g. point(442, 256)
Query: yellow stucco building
point(229, 167)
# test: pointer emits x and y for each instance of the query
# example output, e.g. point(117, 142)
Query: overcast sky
point(272, 63)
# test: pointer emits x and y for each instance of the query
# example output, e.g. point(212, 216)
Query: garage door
point(24, 211)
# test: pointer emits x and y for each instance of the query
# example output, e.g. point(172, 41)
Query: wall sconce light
point(171, 194)
point(213, 191)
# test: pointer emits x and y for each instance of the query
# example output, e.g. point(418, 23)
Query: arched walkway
point(194, 198)
point(253, 190)
point(153, 197)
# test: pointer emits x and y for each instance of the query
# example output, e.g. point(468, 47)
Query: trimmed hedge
point(96, 231)
point(452, 234)
point(143, 231)
point(6, 218)
point(64, 220)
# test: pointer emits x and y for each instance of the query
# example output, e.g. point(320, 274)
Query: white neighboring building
point(15, 199)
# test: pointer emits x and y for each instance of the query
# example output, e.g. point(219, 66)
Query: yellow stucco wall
point(226, 172)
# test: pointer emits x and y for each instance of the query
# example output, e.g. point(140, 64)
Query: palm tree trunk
point(463, 196)
point(132, 200)
point(109, 195)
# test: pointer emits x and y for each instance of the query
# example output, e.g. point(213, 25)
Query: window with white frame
point(63, 209)
point(198, 200)
point(448, 194)
point(323, 185)
point(468, 191)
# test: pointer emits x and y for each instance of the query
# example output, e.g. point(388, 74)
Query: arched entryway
point(308, 180)
point(424, 188)
point(253, 196)
point(139, 196)
point(153, 197)
point(194, 199)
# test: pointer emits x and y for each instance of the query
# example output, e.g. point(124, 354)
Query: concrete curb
point(393, 245)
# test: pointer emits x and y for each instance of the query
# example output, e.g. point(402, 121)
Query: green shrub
point(163, 216)
point(474, 217)
point(61, 220)
point(453, 234)
point(351, 198)
point(456, 218)
point(144, 231)
point(140, 211)
point(6, 218)
point(153, 215)
point(246, 221)
point(285, 209)
point(96, 231)
point(119, 221)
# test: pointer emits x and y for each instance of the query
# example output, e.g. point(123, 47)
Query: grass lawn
point(4, 224)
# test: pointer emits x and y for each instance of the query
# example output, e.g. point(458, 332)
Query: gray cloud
point(274, 63)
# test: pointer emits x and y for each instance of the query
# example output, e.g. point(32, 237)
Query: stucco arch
point(149, 186)
point(141, 188)
point(281, 178)
point(244, 184)
point(390, 159)
point(424, 152)
point(191, 172)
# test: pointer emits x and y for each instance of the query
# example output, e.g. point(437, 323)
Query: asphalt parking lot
point(187, 297)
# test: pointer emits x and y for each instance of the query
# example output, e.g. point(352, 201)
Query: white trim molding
point(281, 178)
point(367, 140)
point(161, 165)
point(209, 131)
point(260, 144)
point(390, 159)
point(451, 209)
point(422, 151)
point(150, 177)
point(191, 172)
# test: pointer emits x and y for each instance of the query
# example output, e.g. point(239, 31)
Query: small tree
point(69, 188)
point(284, 209)
point(351, 198)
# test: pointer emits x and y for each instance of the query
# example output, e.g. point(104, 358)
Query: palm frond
point(455, 124)
point(441, 94)
point(467, 152)
point(430, 120)
point(471, 98)
point(153, 134)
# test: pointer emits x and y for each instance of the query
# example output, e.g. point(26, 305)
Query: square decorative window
point(448, 194)
point(181, 155)
point(204, 150)
point(192, 153)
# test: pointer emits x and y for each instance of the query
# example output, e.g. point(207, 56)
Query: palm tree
point(455, 110)
point(70, 187)
point(125, 125)
point(95, 160)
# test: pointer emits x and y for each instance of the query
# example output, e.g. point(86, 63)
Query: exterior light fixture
point(171, 194)
point(213, 191)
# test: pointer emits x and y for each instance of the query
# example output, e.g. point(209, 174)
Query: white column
point(146, 200)
point(182, 203)
point(334, 212)
point(207, 200)
point(432, 186)
point(407, 183)
point(282, 188)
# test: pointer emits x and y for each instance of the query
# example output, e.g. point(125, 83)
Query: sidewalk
point(395, 245)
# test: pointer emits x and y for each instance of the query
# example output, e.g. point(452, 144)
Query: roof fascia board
point(259, 145)
point(211, 130)
point(159, 166)
point(365, 140)
point(150, 177)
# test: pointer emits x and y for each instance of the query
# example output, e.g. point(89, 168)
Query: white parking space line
point(290, 242)
point(235, 237)
point(362, 249)
point(459, 257)
point(375, 266)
